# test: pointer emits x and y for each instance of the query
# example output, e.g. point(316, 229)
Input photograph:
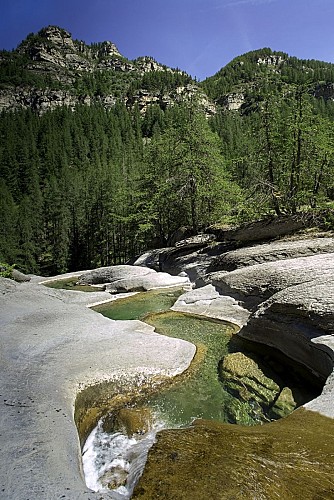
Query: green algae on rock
point(137, 306)
point(258, 386)
point(72, 284)
point(129, 421)
point(290, 458)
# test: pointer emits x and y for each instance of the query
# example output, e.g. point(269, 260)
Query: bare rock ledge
point(52, 347)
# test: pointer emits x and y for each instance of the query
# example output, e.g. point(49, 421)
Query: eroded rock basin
point(216, 399)
point(52, 346)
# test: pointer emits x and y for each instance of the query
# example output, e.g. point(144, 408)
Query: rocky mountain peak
point(51, 37)
point(52, 45)
point(59, 71)
point(108, 49)
point(148, 63)
point(56, 35)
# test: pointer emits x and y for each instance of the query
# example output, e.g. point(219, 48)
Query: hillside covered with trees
point(102, 157)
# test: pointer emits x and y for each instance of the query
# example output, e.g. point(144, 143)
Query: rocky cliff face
point(85, 74)
point(144, 98)
point(55, 70)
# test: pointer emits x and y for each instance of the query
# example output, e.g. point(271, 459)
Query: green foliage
point(164, 81)
point(6, 270)
point(91, 187)
point(257, 72)
point(13, 71)
point(281, 154)
point(328, 218)
point(185, 182)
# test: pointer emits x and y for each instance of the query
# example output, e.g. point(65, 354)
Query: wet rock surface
point(299, 321)
point(52, 349)
point(290, 302)
point(248, 379)
point(129, 421)
point(287, 290)
point(206, 301)
point(290, 458)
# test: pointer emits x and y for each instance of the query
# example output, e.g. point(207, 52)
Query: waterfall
point(115, 461)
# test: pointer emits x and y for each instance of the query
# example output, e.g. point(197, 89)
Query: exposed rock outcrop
point(299, 321)
point(292, 299)
point(51, 350)
point(270, 252)
point(253, 284)
point(264, 229)
point(288, 459)
point(232, 102)
point(130, 279)
point(281, 294)
point(41, 101)
point(192, 256)
point(144, 98)
point(206, 301)
point(55, 68)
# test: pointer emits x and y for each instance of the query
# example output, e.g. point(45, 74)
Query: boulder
point(127, 278)
point(149, 259)
point(114, 478)
point(135, 420)
point(20, 277)
point(194, 258)
point(299, 321)
point(284, 404)
point(111, 273)
point(247, 378)
point(255, 284)
point(206, 301)
point(270, 252)
point(146, 282)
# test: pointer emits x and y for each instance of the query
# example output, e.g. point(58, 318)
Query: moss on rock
point(289, 458)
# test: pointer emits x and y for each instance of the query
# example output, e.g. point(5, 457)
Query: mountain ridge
point(50, 69)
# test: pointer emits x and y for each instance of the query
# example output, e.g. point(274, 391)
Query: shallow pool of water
point(71, 284)
point(200, 395)
point(139, 305)
point(197, 394)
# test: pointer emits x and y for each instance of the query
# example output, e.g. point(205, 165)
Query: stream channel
point(115, 452)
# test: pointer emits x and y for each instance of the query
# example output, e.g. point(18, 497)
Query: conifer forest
point(83, 186)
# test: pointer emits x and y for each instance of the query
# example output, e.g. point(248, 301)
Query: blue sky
point(198, 36)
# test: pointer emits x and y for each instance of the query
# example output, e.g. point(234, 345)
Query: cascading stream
point(115, 460)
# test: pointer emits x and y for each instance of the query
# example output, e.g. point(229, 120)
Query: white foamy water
point(116, 459)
